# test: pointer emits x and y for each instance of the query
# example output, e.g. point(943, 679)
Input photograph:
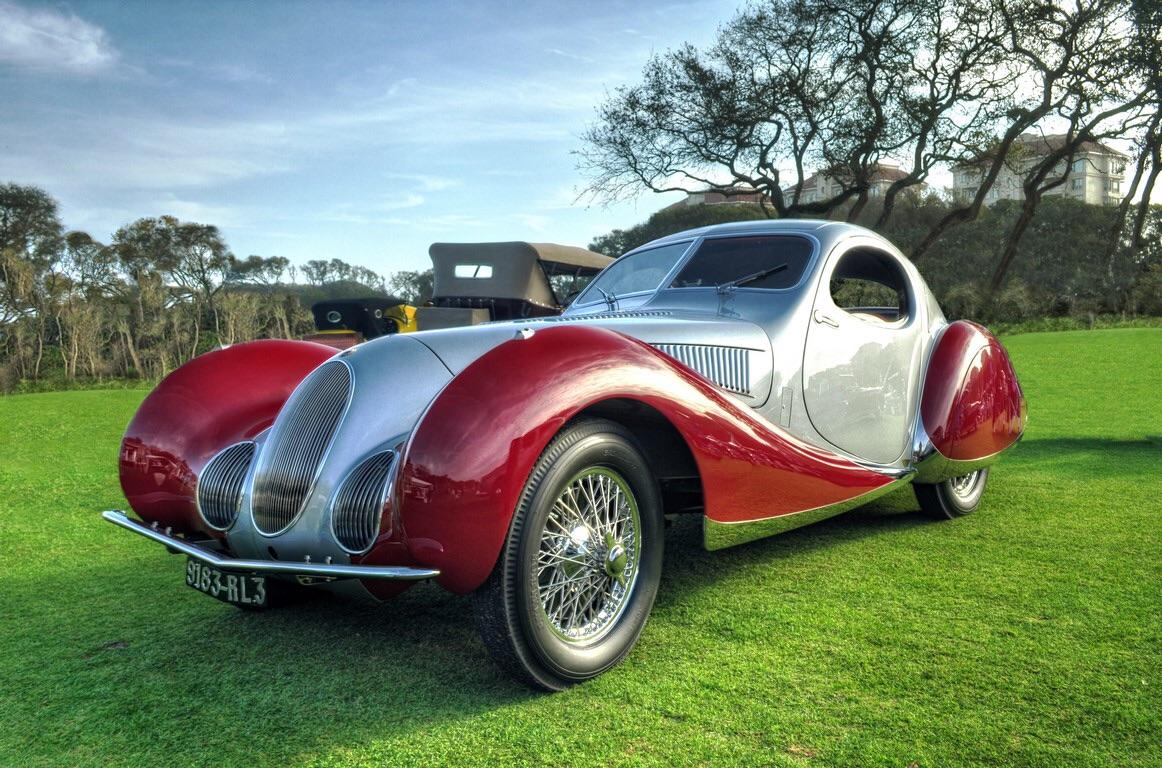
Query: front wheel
point(955, 497)
point(580, 568)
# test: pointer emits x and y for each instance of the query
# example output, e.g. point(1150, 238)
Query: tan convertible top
point(513, 270)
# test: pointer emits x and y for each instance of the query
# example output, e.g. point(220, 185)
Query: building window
point(1077, 184)
point(1079, 165)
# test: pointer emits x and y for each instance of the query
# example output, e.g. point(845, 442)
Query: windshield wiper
point(730, 285)
point(610, 299)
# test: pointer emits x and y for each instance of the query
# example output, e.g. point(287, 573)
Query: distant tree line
point(1063, 267)
point(158, 293)
point(841, 86)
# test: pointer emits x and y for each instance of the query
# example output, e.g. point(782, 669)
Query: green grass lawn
point(1026, 634)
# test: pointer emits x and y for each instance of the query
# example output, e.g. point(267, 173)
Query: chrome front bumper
point(307, 568)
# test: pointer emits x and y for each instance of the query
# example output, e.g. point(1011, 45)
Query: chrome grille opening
point(293, 455)
point(358, 506)
point(219, 490)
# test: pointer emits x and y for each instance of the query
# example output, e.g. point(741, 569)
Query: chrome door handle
point(825, 319)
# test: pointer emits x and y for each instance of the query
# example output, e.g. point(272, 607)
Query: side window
point(770, 261)
point(872, 286)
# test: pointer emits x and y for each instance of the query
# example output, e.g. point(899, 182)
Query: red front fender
point(210, 402)
point(469, 457)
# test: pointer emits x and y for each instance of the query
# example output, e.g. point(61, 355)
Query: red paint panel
point(210, 402)
point(972, 407)
point(471, 454)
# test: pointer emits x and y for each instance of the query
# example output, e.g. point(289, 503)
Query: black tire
point(955, 497)
point(512, 619)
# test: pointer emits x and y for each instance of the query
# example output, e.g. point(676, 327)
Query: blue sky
point(362, 131)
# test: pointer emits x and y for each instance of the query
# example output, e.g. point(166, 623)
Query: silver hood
point(392, 380)
point(733, 353)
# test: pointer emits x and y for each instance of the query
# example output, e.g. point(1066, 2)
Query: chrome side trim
point(307, 568)
point(936, 467)
point(716, 535)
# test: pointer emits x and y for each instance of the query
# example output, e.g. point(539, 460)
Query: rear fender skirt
point(972, 408)
point(471, 454)
point(214, 400)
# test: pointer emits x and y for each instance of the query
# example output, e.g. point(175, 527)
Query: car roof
point(761, 227)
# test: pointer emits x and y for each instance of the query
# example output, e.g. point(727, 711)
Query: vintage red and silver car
point(761, 375)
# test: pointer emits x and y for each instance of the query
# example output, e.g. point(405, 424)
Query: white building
point(1095, 174)
point(823, 186)
point(734, 194)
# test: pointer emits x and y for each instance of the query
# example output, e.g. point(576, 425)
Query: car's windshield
point(636, 273)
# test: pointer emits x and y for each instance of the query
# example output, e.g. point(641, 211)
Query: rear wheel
point(955, 497)
point(580, 568)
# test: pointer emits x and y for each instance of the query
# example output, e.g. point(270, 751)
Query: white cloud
point(50, 40)
point(202, 213)
point(570, 56)
point(532, 221)
point(372, 213)
point(425, 182)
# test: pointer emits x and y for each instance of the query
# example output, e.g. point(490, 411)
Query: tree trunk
point(858, 206)
point(1155, 147)
point(131, 350)
point(1009, 252)
point(197, 336)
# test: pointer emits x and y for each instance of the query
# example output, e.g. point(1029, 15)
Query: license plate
point(236, 588)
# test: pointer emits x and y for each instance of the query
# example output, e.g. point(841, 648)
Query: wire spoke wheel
point(574, 584)
point(589, 552)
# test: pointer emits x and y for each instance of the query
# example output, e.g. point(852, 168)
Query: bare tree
point(791, 84)
point(845, 86)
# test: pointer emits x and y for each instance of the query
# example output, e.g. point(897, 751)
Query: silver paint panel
point(860, 375)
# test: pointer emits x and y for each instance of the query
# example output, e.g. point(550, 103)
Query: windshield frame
point(591, 296)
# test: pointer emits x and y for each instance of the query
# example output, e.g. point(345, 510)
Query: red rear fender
point(972, 405)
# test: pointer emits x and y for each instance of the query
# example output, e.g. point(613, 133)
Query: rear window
point(726, 259)
point(473, 270)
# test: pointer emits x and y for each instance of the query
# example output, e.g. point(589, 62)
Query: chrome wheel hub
point(965, 485)
point(587, 563)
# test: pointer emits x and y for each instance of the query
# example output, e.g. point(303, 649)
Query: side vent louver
point(219, 491)
point(299, 440)
point(728, 367)
point(358, 506)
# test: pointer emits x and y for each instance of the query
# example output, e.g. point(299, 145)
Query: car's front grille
point(220, 485)
point(298, 442)
point(358, 506)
